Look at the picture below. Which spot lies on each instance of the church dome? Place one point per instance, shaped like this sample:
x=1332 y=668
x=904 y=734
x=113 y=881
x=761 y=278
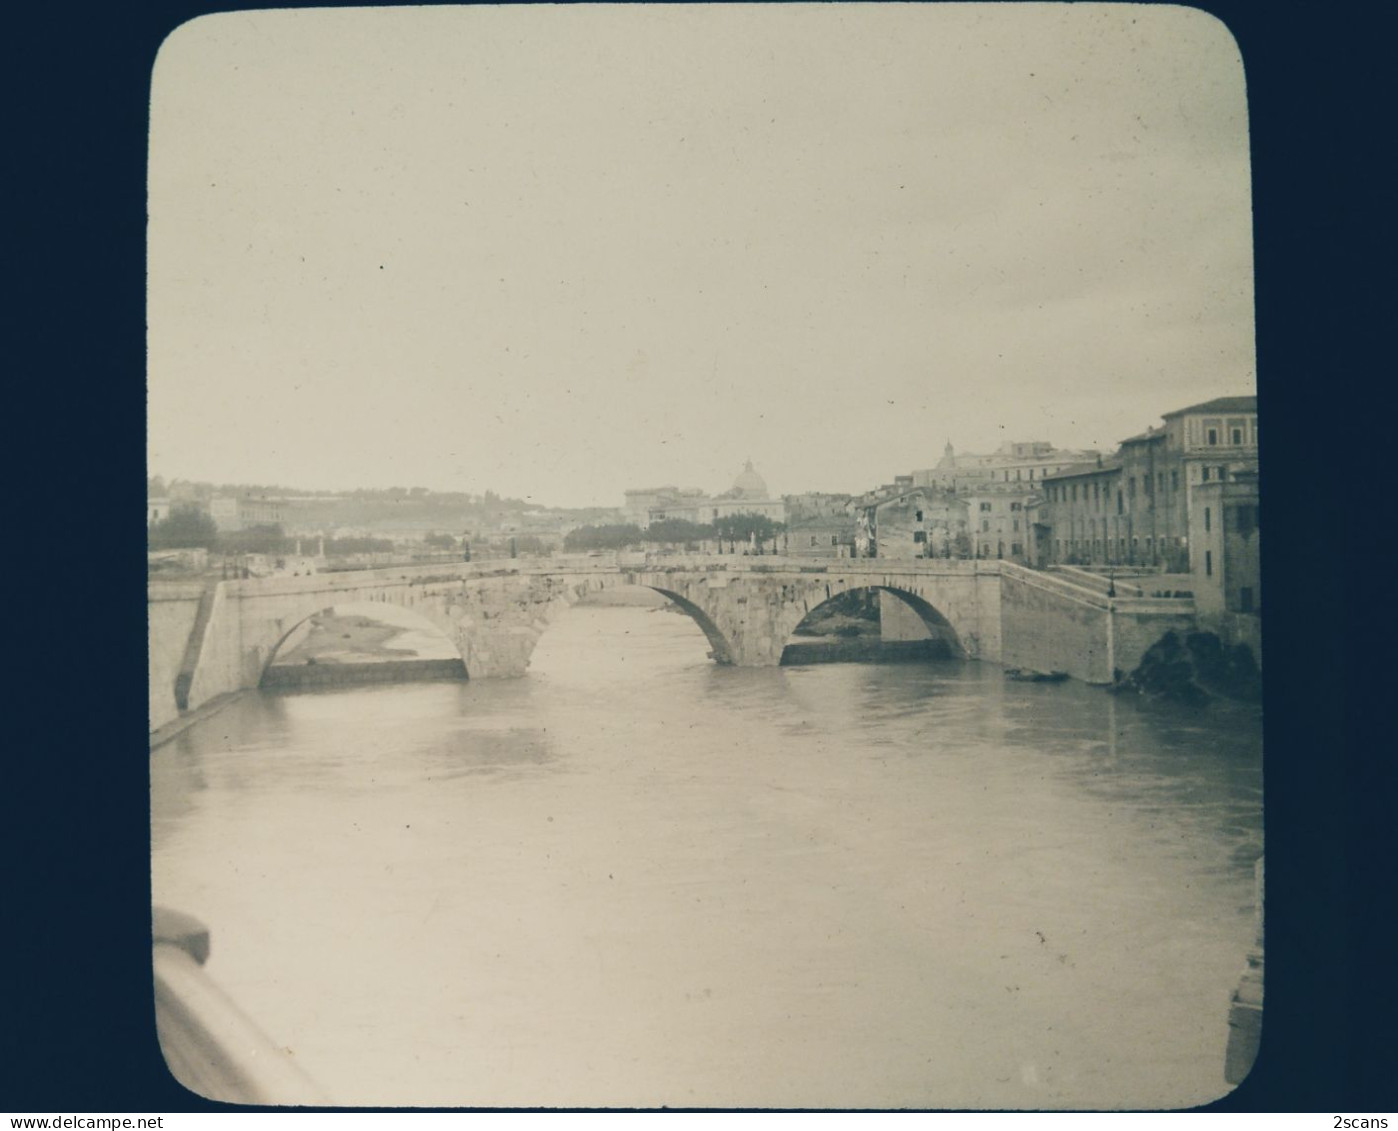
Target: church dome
x=750 y=485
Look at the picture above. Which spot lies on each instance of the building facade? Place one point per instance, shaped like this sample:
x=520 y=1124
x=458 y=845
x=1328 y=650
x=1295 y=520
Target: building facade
x=1226 y=545
x=242 y=512
x=818 y=525
x=897 y=522
x=1139 y=508
x=998 y=516
x=1019 y=461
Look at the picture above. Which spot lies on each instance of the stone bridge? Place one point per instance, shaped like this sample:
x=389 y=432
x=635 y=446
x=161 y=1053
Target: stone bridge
x=221 y=640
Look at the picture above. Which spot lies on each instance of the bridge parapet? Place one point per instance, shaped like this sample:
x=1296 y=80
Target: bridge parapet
x=748 y=606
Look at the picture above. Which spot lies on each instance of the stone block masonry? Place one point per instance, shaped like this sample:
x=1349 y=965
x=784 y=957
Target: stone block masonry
x=747 y=608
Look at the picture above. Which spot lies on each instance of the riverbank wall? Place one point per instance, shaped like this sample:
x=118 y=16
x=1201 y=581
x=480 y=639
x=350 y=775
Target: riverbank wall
x=864 y=650
x=171 y=610
x=300 y=677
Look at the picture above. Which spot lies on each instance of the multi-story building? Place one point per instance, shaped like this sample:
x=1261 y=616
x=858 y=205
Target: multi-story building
x=818 y=525
x=1017 y=461
x=1225 y=544
x=241 y=512
x=921 y=522
x=1081 y=518
x=998 y=513
x=1136 y=508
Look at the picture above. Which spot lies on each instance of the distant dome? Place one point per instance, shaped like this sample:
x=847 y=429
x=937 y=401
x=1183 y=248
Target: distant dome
x=750 y=485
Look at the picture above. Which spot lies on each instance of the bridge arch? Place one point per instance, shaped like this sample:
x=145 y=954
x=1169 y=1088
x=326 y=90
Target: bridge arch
x=938 y=626
x=932 y=617
x=720 y=649
x=288 y=629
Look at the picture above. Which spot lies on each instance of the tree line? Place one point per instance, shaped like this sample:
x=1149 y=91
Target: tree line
x=736 y=529
x=190 y=528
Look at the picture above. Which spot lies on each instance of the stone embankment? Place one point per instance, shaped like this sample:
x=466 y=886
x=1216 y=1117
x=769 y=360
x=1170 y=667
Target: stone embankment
x=297 y=677
x=863 y=650
x=1194 y=668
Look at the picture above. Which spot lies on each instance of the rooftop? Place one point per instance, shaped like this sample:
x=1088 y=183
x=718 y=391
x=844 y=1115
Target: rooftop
x=1112 y=464
x=1219 y=404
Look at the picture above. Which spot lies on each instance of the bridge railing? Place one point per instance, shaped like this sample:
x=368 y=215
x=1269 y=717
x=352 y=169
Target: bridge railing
x=1086 y=590
x=1095 y=596
x=209 y=1043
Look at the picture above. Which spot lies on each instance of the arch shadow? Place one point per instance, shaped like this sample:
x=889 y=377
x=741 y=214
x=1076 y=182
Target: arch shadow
x=941 y=642
x=720 y=650
x=450 y=665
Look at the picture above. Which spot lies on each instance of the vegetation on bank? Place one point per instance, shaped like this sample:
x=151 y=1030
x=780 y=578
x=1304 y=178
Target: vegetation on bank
x=189 y=528
x=1194 y=668
x=737 y=530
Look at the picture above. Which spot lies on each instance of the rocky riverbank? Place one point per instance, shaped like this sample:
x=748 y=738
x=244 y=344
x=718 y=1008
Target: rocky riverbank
x=1194 y=668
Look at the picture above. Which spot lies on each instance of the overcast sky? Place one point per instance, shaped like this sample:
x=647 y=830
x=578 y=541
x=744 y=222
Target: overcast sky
x=561 y=251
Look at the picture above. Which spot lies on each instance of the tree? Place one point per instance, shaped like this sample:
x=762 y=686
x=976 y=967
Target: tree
x=676 y=530
x=741 y=527
x=440 y=541
x=342 y=547
x=185 y=527
x=614 y=537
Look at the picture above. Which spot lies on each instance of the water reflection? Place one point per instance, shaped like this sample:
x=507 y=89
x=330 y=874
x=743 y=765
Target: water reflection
x=637 y=878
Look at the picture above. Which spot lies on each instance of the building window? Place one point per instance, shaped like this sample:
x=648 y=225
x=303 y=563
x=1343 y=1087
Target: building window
x=834 y=540
x=985 y=507
x=919 y=516
x=985 y=526
x=1075 y=492
x=1205 y=474
x=1016 y=526
x=1208 y=520
x=1016 y=548
x=1015 y=507
x=1237 y=437
x=813 y=539
x=1245 y=520
x=919 y=536
x=1208 y=563
x=1174 y=481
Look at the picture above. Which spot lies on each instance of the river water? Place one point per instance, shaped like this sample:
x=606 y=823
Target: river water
x=635 y=878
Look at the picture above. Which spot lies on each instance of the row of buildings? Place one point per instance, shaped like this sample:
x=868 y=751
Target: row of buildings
x=1181 y=498
x=1178 y=499
x=748 y=495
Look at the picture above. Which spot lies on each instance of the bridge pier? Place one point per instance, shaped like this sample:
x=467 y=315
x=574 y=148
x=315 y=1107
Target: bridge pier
x=747 y=608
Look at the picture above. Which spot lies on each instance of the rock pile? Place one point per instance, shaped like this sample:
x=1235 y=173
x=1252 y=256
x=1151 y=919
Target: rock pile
x=1194 y=668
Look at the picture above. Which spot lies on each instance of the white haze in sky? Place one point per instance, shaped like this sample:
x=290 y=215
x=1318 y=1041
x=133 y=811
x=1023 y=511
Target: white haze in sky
x=559 y=251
